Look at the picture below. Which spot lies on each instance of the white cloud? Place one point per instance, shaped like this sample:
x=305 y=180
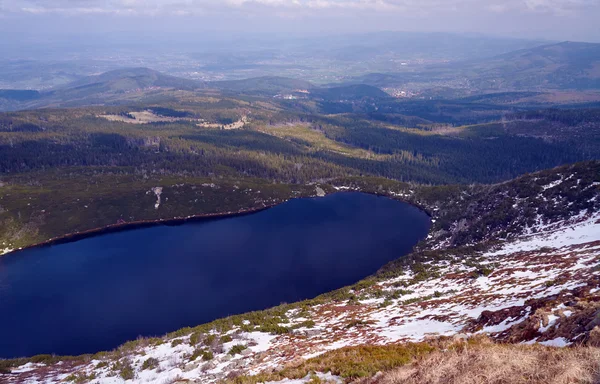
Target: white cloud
x=578 y=19
x=186 y=7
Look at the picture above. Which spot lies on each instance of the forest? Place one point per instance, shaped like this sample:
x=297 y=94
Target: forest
x=97 y=165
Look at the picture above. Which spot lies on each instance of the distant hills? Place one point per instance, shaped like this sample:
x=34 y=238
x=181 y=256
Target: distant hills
x=133 y=85
x=18 y=95
x=264 y=84
x=122 y=80
x=560 y=66
x=350 y=92
x=413 y=46
x=564 y=65
x=546 y=68
x=113 y=87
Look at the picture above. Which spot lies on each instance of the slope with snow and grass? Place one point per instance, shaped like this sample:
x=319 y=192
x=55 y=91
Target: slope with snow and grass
x=517 y=262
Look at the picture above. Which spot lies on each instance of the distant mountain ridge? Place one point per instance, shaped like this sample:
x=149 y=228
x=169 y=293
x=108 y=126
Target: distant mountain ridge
x=127 y=79
x=268 y=84
x=559 y=66
x=350 y=92
x=565 y=65
x=113 y=87
x=128 y=85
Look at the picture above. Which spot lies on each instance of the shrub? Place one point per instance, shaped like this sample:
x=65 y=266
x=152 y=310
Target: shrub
x=226 y=339
x=274 y=329
x=236 y=349
x=305 y=324
x=416 y=300
x=207 y=355
x=356 y=323
x=195 y=338
x=386 y=302
x=81 y=377
x=209 y=340
x=124 y=369
x=150 y=363
x=127 y=373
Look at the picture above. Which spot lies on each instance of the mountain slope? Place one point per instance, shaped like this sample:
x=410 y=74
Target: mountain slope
x=350 y=92
x=517 y=281
x=109 y=85
x=564 y=65
x=114 y=87
x=265 y=84
x=552 y=67
x=128 y=79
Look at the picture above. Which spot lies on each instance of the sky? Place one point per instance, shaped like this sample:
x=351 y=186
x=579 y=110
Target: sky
x=575 y=20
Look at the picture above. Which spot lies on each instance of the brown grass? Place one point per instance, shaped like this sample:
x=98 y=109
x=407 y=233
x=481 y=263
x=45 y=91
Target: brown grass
x=499 y=364
x=350 y=363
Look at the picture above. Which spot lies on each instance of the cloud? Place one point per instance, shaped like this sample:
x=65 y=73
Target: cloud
x=548 y=19
x=187 y=7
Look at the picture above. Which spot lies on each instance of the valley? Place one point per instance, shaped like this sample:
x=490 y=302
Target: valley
x=384 y=208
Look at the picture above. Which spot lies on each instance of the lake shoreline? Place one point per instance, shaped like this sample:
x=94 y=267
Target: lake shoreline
x=138 y=224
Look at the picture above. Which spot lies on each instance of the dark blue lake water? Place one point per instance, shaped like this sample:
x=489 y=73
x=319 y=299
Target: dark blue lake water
x=96 y=293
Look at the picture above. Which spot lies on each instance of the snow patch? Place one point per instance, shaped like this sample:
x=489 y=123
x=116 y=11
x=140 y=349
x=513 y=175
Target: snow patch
x=157 y=191
x=585 y=231
x=558 y=342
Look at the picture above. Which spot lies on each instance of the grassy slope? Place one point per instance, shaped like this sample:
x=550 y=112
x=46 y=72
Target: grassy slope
x=482 y=362
x=41 y=206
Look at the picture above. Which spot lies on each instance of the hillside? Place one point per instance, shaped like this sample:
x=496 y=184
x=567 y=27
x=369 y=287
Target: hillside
x=263 y=85
x=122 y=80
x=47 y=156
x=133 y=85
x=350 y=92
x=566 y=65
x=113 y=87
x=516 y=262
x=107 y=86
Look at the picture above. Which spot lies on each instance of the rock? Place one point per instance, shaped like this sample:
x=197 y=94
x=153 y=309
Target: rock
x=312 y=332
x=320 y=192
x=190 y=366
x=236 y=364
x=246 y=352
x=594 y=338
x=594 y=323
x=226 y=358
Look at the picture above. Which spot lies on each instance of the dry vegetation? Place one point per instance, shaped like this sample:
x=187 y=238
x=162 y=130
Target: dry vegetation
x=143 y=117
x=489 y=363
x=317 y=141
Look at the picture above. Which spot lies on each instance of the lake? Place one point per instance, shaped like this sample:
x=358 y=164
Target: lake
x=98 y=292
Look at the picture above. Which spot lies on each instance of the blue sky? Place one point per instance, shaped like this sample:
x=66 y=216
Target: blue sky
x=549 y=19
